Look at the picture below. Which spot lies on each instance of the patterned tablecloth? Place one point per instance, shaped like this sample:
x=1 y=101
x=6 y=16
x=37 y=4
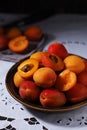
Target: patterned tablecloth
x=70 y=30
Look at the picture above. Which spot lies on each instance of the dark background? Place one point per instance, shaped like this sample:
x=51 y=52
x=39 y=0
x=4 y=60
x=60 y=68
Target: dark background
x=43 y=8
x=56 y=6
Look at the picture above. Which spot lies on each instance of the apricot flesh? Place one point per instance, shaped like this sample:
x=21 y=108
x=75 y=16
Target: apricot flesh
x=27 y=68
x=45 y=77
x=66 y=80
x=52 y=61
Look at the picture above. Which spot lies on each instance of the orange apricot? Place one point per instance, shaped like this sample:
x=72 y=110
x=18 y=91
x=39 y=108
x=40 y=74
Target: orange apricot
x=33 y=32
x=52 y=61
x=66 y=80
x=13 y=32
x=45 y=77
x=82 y=77
x=37 y=55
x=17 y=79
x=19 y=44
x=74 y=63
x=27 y=68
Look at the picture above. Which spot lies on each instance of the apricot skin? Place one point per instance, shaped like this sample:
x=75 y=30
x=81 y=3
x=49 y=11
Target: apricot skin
x=77 y=94
x=74 y=63
x=66 y=80
x=17 y=79
x=28 y=90
x=33 y=32
x=58 y=49
x=82 y=78
x=45 y=77
x=52 y=98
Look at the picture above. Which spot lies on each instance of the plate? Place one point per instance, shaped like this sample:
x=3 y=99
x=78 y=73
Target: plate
x=14 y=93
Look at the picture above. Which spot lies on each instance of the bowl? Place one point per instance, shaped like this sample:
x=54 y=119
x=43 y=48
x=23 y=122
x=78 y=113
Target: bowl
x=36 y=106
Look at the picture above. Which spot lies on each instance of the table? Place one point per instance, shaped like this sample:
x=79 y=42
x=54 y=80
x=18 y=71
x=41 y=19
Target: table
x=70 y=30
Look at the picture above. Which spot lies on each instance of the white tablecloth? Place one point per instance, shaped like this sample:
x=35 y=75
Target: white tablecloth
x=70 y=30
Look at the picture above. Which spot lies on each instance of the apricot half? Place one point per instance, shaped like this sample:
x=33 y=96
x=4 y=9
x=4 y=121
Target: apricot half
x=74 y=63
x=19 y=44
x=52 y=61
x=66 y=80
x=27 y=68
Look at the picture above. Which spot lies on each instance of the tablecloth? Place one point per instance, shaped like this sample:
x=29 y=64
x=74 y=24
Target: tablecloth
x=70 y=30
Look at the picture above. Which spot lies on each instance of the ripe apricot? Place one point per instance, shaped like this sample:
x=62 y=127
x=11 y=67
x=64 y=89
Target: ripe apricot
x=66 y=80
x=33 y=32
x=74 y=63
x=82 y=77
x=13 y=32
x=50 y=98
x=27 y=68
x=18 y=44
x=17 y=79
x=29 y=91
x=77 y=93
x=58 y=49
x=52 y=61
x=45 y=77
x=37 y=55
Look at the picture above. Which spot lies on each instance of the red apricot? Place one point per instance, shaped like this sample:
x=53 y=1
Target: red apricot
x=28 y=90
x=52 y=98
x=52 y=61
x=77 y=93
x=58 y=49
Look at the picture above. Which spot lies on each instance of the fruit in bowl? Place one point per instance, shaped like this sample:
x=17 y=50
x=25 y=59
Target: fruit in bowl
x=57 y=80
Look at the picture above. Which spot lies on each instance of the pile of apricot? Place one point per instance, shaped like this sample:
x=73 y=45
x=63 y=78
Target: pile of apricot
x=18 y=41
x=52 y=78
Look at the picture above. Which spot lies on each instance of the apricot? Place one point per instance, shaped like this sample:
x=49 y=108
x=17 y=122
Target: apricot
x=52 y=61
x=50 y=98
x=74 y=63
x=27 y=68
x=66 y=80
x=28 y=90
x=13 y=32
x=58 y=49
x=33 y=32
x=77 y=93
x=45 y=77
x=37 y=55
x=82 y=77
x=19 y=44
x=17 y=79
